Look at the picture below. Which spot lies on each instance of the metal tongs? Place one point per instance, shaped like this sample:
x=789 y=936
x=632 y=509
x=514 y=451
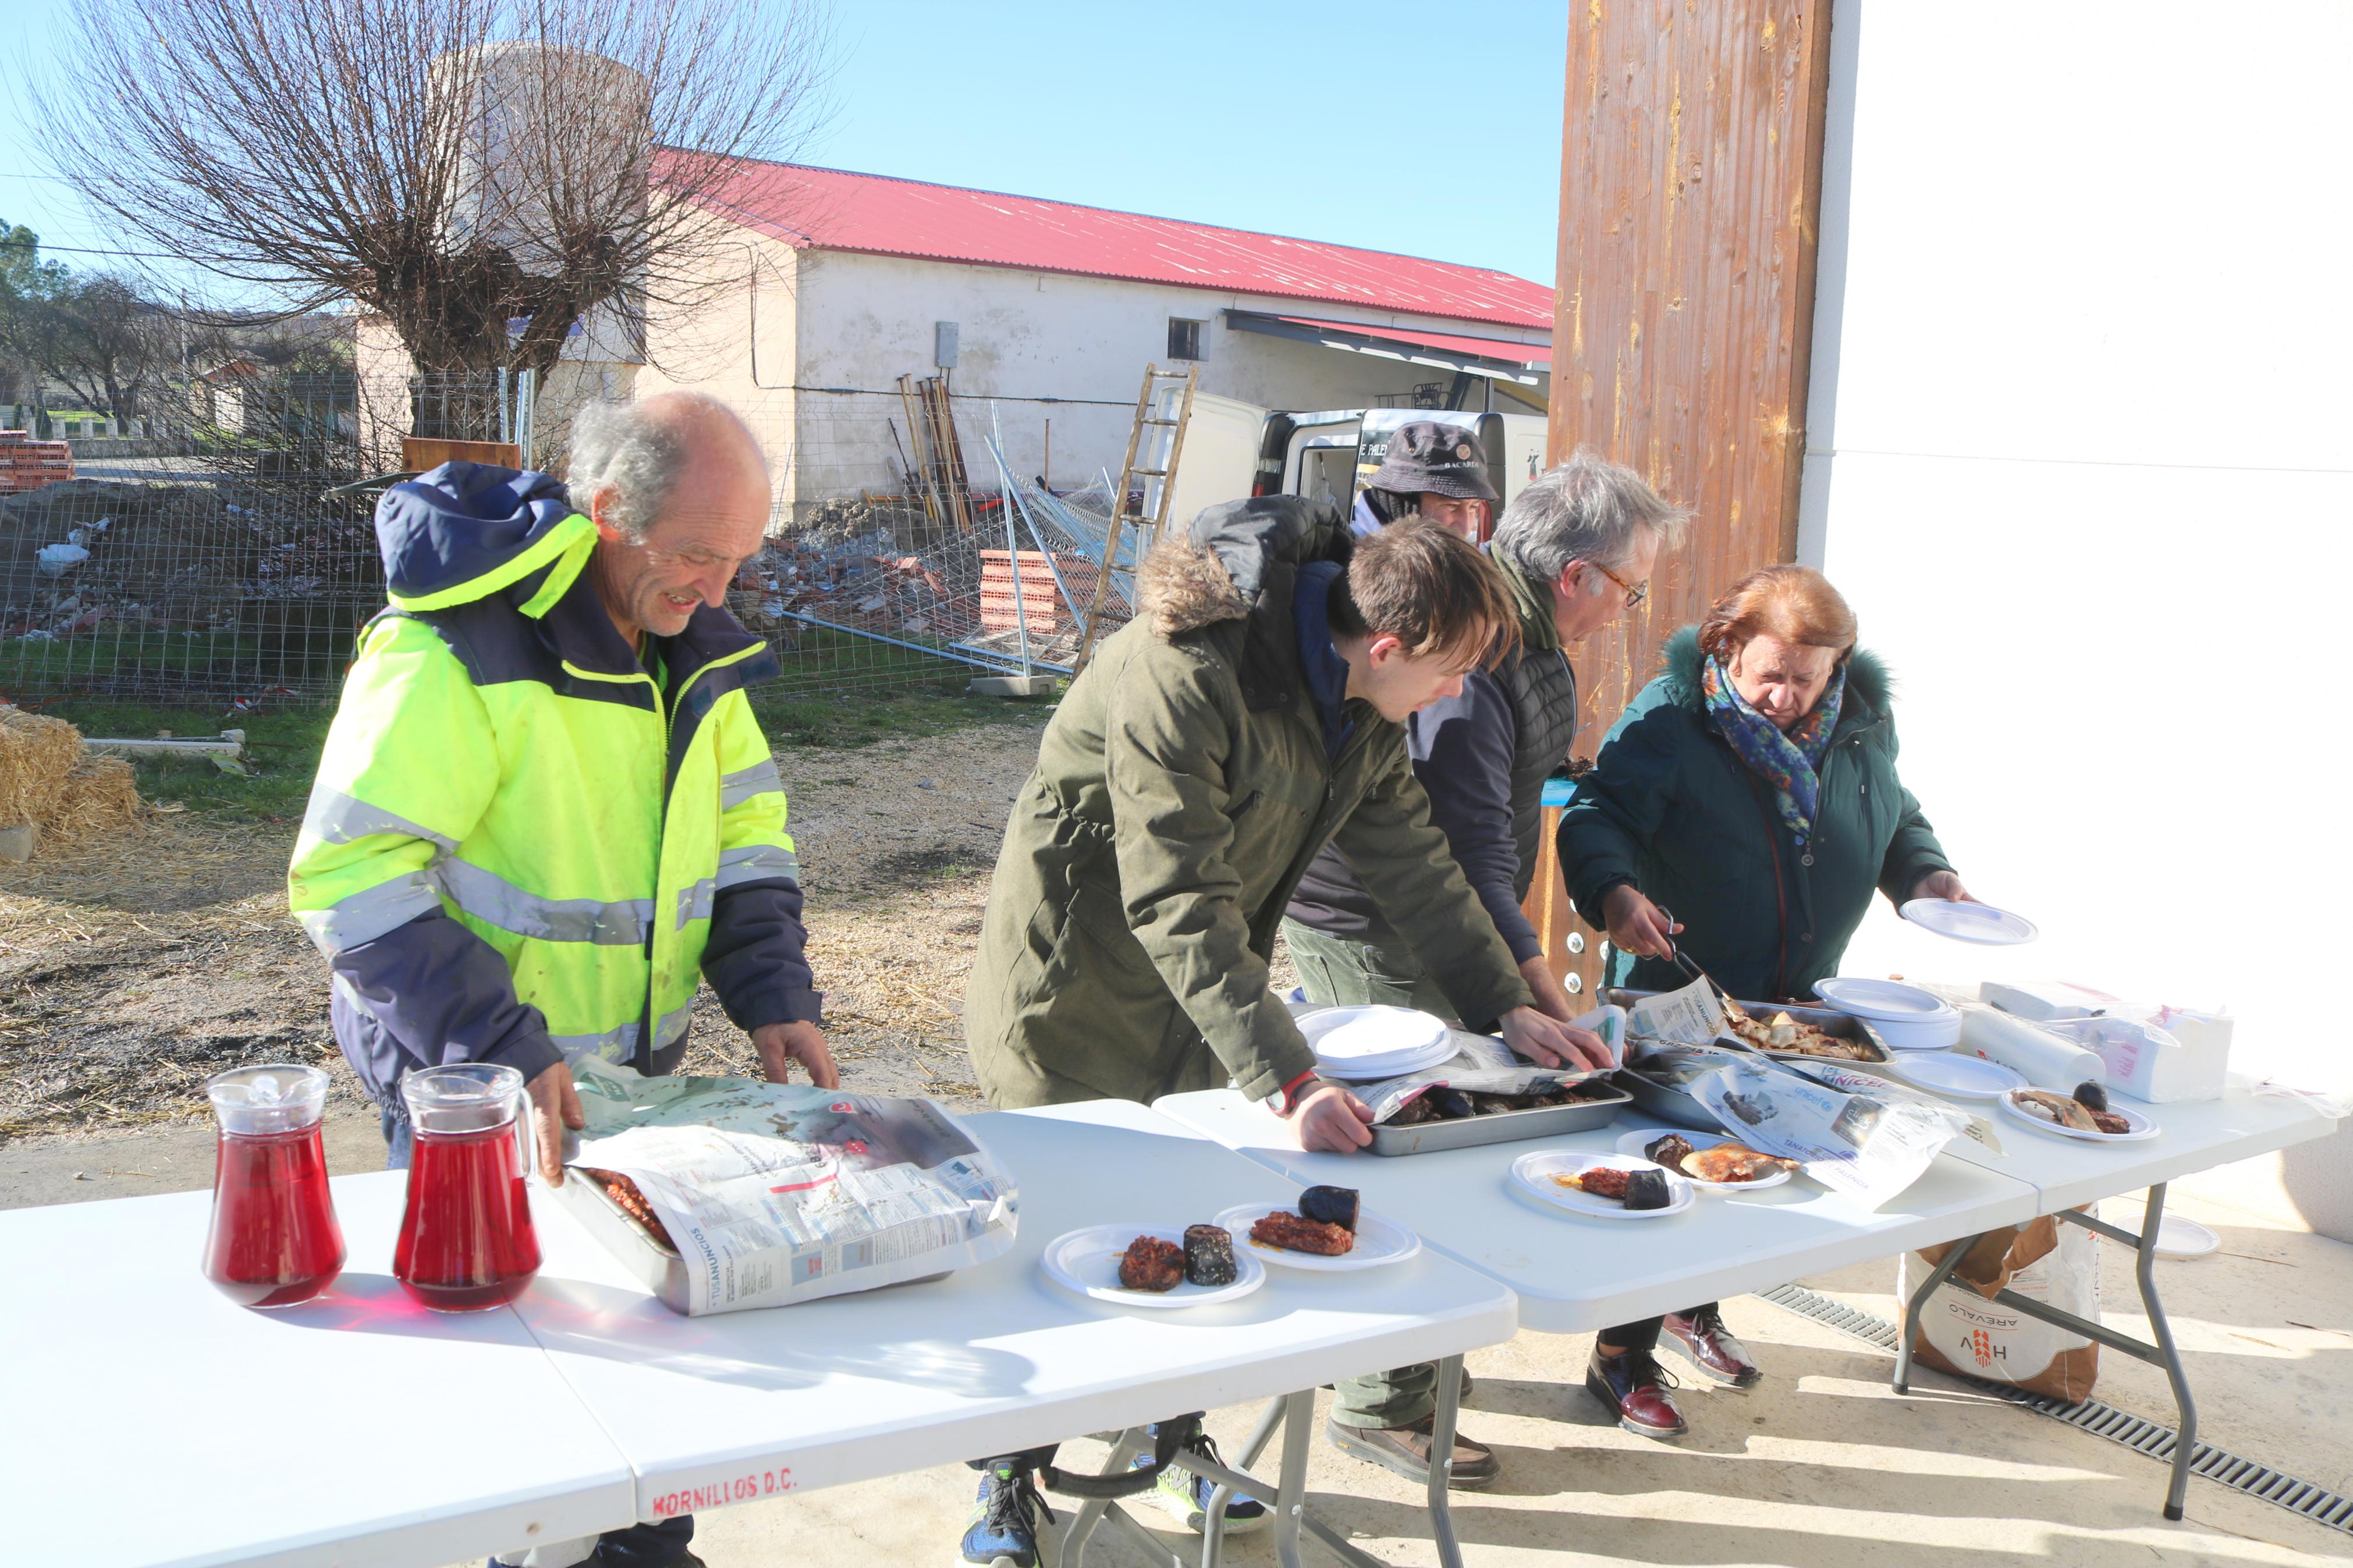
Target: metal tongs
x=1684 y=961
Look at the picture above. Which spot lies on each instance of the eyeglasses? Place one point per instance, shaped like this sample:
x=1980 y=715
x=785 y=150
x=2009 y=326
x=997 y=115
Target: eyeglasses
x=1635 y=591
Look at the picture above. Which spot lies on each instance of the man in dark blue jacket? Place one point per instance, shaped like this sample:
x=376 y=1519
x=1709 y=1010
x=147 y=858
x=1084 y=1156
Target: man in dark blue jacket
x=1575 y=549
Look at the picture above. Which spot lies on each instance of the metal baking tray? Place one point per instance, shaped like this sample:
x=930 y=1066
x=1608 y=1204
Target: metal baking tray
x=651 y=1264
x=1668 y=1103
x=1502 y=1126
x=1844 y=1025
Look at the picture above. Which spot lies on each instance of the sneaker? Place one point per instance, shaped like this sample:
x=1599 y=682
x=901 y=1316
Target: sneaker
x=1406 y=1450
x=1186 y=1496
x=1634 y=1386
x=1707 y=1344
x=1007 y=1518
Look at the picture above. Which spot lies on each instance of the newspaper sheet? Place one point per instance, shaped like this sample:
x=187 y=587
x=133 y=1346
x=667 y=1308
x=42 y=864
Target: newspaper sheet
x=774 y=1193
x=1869 y=1145
x=1483 y=1064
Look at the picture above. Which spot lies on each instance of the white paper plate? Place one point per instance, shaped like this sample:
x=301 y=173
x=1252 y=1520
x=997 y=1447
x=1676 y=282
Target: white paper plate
x=1343 y=1034
x=2179 y=1238
x=1979 y=924
x=1963 y=1077
x=1364 y=1071
x=1882 y=999
x=2142 y=1127
x=1379 y=1240
x=1534 y=1174
x=1087 y=1261
x=1635 y=1142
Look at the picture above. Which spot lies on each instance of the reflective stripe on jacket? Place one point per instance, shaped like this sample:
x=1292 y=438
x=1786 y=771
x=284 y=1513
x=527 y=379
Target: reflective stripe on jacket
x=520 y=845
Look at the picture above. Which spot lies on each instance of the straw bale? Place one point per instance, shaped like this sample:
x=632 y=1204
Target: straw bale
x=46 y=779
x=37 y=756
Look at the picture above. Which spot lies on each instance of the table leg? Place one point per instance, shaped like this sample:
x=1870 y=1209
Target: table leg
x=2185 y=1445
x=1213 y=1533
x=1298 y=1427
x=1912 y=1309
x=1091 y=1513
x=1441 y=1461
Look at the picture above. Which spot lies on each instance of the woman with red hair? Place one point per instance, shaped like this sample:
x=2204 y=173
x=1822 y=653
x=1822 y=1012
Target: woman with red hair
x=1751 y=790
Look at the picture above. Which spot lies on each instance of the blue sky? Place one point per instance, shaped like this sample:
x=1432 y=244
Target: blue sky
x=1427 y=130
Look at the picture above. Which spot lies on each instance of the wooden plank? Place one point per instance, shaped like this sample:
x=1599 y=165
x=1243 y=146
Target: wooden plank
x=1690 y=190
x=418 y=453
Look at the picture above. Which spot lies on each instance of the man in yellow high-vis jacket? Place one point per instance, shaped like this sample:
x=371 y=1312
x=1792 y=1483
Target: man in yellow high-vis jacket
x=545 y=810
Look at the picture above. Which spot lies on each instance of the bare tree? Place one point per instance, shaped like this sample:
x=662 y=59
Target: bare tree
x=483 y=174
x=97 y=336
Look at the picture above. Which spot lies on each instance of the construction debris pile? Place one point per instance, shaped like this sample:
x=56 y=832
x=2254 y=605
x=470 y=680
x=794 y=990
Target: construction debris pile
x=51 y=793
x=257 y=574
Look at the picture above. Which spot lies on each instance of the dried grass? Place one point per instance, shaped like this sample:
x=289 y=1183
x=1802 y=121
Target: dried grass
x=46 y=779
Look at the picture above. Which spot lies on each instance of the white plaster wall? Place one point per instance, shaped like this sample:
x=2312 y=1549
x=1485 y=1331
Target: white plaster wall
x=2080 y=449
x=866 y=320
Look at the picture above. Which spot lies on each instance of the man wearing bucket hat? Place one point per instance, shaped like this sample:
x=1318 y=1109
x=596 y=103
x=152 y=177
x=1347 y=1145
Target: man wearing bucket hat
x=1430 y=471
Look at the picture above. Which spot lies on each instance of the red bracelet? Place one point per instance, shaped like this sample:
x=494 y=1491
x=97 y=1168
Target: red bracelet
x=1289 y=1093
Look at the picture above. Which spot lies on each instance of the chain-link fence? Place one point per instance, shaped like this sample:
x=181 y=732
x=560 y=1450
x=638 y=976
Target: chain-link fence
x=220 y=549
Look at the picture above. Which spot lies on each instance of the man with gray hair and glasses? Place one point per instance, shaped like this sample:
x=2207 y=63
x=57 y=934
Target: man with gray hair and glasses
x=1575 y=548
x=545 y=812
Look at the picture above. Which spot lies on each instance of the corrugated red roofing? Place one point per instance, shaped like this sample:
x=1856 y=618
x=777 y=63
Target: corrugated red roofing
x=1485 y=348
x=838 y=210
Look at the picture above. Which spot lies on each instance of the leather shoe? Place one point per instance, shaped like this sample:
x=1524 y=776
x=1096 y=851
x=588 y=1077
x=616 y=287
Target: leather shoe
x=1635 y=1386
x=1406 y=1450
x=1710 y=1346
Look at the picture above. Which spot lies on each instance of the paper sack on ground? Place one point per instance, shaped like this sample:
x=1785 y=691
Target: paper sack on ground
x=776 y=1194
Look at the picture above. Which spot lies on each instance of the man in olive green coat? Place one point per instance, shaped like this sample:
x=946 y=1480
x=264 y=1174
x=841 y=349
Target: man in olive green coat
x=1211 y=748
x=1252 y=714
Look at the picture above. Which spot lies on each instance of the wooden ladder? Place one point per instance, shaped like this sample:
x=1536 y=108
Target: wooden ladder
x=1157 y=386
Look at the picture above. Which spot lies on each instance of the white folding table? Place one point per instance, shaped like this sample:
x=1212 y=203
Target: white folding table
x=152 y=1421
x=996 y=1359
x=2068 y=1173
x=1573 y=1273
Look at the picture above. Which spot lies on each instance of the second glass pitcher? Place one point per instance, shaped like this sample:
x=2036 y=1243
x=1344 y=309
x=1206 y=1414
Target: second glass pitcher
x=466 y=1239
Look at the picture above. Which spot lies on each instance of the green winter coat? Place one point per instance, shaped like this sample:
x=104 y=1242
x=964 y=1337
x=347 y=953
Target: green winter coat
x=1670 y=809
x=1182 y=787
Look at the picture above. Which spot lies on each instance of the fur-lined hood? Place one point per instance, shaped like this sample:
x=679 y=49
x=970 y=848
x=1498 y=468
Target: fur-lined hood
x=1239 y=562
x=1227 y=563
x=1866 y=677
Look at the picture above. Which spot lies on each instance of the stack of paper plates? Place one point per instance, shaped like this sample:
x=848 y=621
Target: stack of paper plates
x=1362 y=1044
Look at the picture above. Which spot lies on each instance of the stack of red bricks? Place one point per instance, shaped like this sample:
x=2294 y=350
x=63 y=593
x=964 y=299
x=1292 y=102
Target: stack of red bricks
x=1041 y=600
x=27 y=465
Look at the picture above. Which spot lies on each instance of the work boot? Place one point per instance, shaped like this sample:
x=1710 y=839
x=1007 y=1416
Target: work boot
x=1634 y=1387
x=1406 y=1450
x=1007 y=1517
x=1702 y=1339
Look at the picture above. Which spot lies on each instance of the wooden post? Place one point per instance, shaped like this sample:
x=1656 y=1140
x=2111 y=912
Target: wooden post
x=1690 y=195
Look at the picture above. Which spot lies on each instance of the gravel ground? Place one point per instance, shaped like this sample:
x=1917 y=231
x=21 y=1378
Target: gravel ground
x=132 y=970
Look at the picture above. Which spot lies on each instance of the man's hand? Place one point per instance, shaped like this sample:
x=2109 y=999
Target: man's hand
x=1636 y=925
x=1330 y=1120
x=782 y=1045
x=1551 y=1000
x=554 y=1106
x=1942 y=885
x=1549 y=1043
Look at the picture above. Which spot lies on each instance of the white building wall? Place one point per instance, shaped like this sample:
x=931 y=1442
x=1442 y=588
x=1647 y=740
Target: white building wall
x=864 y=321
x=2080 y=449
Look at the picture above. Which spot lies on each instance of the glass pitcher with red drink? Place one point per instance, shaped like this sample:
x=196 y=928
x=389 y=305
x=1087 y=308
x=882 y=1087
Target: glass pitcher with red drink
x=466 y=1239
x=274 y=1239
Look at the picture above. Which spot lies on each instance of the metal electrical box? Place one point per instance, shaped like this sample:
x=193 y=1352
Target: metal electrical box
x=943 y=345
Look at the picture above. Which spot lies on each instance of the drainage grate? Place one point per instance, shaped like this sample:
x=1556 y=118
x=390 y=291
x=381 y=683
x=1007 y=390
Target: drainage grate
x=2135 y=1431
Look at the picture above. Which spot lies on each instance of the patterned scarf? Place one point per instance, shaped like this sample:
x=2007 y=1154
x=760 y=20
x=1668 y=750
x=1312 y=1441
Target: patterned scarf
x=1787 y=759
